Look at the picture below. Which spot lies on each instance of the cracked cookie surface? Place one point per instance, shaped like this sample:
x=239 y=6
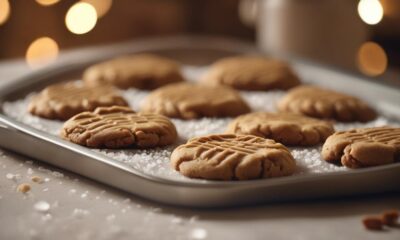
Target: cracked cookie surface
x=363 y=147
x=142 y=71
x=251 y=73
x=232 y=157
x=119 y=127
x=286 y=128
x=63 y=100
x=191 y=101
x=327 y=104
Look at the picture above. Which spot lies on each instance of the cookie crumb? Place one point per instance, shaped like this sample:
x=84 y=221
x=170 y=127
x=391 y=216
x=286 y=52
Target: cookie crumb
x=372 y=223
x=390 y=217
x=24 y=188
x=37 y=179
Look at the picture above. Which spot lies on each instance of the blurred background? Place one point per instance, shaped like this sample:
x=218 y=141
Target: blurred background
x=357 y=35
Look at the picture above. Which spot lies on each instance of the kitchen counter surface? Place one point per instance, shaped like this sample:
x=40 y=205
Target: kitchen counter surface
x=68 y=206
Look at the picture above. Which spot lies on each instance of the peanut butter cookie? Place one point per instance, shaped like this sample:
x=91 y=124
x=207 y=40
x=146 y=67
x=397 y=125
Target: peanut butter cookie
x=251 y=73
x=142 y=71
x=62 y=101
x=190 y=101
x=322 y=103
x=232 y=157
x=286 y=128
x=119 y=127
x=363 y=147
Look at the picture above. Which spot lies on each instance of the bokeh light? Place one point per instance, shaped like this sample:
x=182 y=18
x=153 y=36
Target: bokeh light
x=370 y=11
x=101 y=6
x=81 y=18
x=41 y=52
x=372 y=59
x=47 y=2
x=4 y=11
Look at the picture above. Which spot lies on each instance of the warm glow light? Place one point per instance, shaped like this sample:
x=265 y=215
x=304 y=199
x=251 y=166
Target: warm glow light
x=41 y=52
x=4 y=11
x=370 y=11
x=101 y=6
x=47 y=2
x=372 y=59
x=81 y=18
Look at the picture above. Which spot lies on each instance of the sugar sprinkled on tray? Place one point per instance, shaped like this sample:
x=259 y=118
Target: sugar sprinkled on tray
x=156 y=161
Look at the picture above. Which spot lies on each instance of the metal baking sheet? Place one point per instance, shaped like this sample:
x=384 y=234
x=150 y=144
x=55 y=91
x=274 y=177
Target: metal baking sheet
x=174 y=189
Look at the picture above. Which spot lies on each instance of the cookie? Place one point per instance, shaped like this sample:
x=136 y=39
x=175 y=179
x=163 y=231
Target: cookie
x=251 y=73
x=119 y=127
x=322 y=103
x=286 y=128
x=62 y=101
x=190 y=101
x=363 y=147
x=142 y=71
x=232 y=157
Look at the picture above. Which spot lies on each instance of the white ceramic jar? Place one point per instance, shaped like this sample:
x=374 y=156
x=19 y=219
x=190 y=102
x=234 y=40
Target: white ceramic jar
x=324 y=30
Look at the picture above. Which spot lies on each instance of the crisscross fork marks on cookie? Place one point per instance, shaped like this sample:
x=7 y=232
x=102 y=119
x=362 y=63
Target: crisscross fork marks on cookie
x=384 y=135
x=363 y=147
x=117 y=127
x=112 y=121
x=228 y=156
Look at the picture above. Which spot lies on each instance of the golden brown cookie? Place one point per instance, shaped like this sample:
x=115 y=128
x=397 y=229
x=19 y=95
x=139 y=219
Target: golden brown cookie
x=286 y=128
x=251 y=73
x=119 y=127
x=232 y=157
x=62 y=101
x=190 y=101
x=322 y=103
x=363 y=147
x=142 y=71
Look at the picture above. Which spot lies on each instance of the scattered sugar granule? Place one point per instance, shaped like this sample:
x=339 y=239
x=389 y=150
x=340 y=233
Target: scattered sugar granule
x=42 y=206
x=72 y=191
x=29 y=171
x=198 y=233
x=37 y=179
x=85 y=194
x=57 y=174
x=80 y=213
x=10 y=176
x=13 y=177
x=24 y=188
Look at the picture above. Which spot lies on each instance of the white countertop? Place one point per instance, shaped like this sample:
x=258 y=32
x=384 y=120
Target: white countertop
x=83 y=209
